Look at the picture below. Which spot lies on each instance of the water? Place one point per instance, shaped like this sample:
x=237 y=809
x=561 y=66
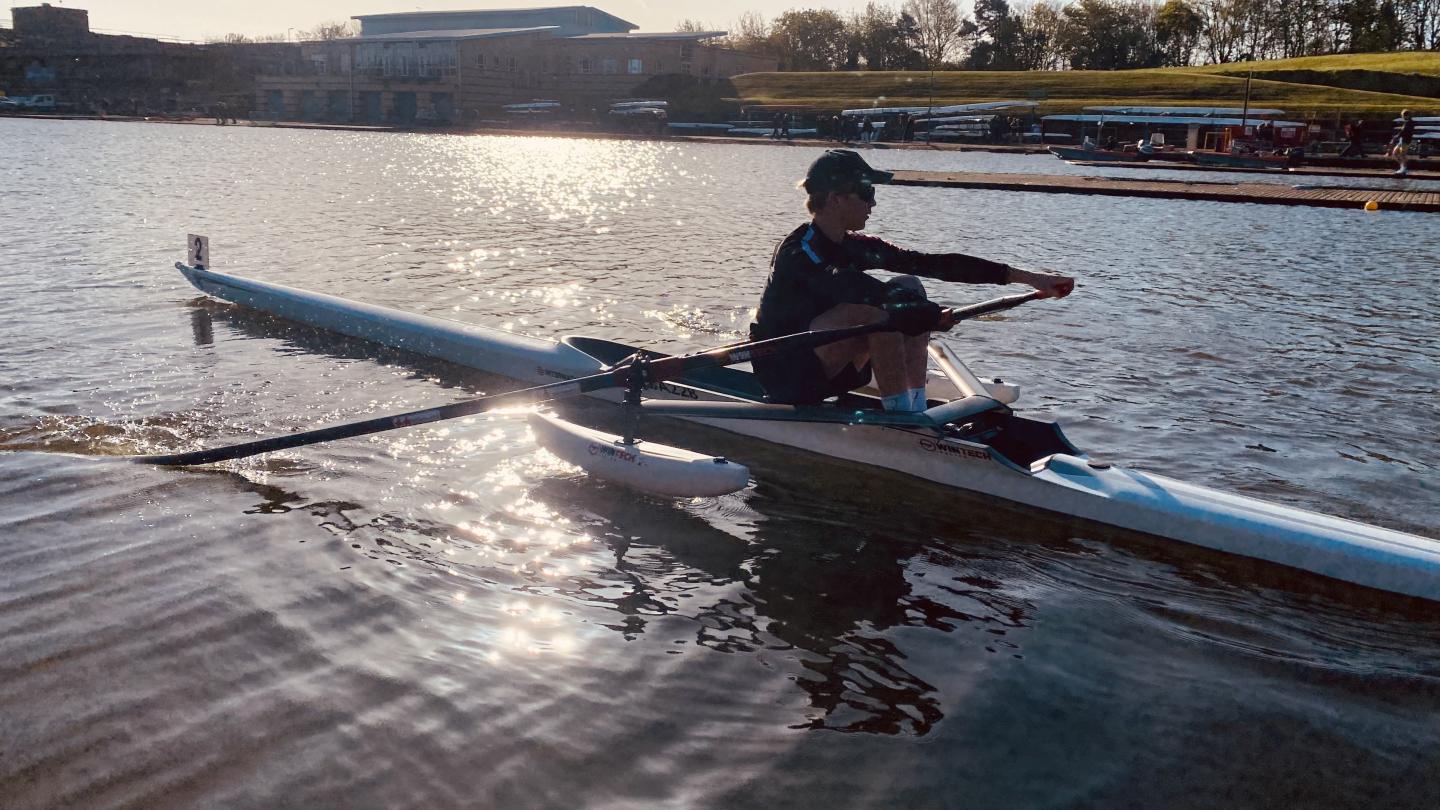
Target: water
x=447 y=617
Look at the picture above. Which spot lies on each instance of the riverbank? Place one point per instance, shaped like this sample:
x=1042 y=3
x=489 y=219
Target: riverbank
x=521 y=132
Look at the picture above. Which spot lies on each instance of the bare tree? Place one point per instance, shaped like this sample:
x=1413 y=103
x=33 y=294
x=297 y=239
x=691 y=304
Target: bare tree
x=937 y=28
x=335 y=29
x=750 y=33
x=689 y=26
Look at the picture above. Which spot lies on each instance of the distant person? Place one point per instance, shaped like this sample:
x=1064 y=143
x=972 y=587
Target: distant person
x=785 y=126
x=1355 y=134
x=867 y=130
x=775 y=125
x=1400 y=149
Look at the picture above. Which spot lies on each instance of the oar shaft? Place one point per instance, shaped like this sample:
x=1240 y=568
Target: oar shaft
x=666 y=368
x=526 y=396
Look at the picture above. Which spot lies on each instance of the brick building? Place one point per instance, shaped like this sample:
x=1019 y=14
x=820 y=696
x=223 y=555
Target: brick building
x=51 y=49
x=465 y=65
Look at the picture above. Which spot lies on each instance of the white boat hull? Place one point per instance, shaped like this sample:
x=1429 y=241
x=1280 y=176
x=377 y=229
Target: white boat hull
x=1063 y=481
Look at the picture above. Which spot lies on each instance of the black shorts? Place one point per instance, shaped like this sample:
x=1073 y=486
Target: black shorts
x=798 y=378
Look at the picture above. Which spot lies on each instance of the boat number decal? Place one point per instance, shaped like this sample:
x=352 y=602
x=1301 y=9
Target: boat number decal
x=932 y=446
x=545 y=372
x=683 y=393
x=740 y=357
x=611 y=451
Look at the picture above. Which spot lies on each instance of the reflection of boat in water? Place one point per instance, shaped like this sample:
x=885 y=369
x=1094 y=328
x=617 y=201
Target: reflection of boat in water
x=1104 y=155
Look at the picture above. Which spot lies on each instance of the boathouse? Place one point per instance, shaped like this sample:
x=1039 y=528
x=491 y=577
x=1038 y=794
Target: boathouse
x=462 y=66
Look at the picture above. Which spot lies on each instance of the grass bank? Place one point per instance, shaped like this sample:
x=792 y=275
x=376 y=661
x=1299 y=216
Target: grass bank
x=1068 y=91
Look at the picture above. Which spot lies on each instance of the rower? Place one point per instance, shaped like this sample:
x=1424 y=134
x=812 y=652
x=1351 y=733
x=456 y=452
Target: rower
x=818 y=281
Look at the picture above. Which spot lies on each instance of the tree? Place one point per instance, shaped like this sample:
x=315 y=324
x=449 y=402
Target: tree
x=689 y=26
x=1101 y=35
x=877 y=36
x=1040 y=43
x=937 y=28
x=1222 y=29
x=336 y=29
x=810 y=39
x=1177 y=32
x=751 y=34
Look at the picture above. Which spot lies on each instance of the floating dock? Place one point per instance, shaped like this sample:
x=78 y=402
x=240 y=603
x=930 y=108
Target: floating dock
x=1389 y=199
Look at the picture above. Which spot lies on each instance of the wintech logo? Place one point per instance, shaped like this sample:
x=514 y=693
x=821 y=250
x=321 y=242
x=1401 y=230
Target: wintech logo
x=955 y=451
x=611 y=451
x=546 y=372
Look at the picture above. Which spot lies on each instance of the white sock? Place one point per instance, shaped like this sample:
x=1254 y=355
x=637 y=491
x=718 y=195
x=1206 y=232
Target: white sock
x=897 y=402
x=917 y=399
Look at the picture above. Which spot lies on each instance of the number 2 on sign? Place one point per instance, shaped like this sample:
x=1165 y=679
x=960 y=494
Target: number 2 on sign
x=199 y=250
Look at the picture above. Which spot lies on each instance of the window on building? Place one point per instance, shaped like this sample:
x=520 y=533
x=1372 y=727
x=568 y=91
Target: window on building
x=685 y=68
x=585 y=66
x=512 y=64
x=687 y=50
x=610 y=67
x=495 y=62
x=636 y=66
x=657 y=66
x=480 y=61
x=705 y=71
x=317 y=64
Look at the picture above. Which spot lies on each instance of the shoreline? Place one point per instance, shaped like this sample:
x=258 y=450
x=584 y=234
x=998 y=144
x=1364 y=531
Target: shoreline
x=1019 y=149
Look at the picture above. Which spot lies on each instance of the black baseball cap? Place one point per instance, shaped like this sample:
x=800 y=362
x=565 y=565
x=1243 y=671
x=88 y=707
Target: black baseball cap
x=842 y=170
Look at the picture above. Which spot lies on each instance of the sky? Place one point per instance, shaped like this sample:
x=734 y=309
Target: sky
x=208 y=19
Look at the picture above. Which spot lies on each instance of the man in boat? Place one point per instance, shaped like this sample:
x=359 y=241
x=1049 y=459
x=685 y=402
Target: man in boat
x=818 y=281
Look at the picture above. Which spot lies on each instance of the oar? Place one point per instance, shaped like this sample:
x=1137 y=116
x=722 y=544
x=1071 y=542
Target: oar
x=655 y=370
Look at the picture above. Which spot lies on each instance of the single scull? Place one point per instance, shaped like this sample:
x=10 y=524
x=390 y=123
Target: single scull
x=968 y=439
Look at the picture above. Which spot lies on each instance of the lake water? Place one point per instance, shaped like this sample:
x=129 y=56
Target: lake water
x=448 y=617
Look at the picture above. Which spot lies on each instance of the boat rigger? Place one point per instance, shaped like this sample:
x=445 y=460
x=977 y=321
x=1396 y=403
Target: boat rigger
x=968 y=438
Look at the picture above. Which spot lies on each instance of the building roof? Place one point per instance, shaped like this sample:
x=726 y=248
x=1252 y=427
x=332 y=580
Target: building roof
x=1191 y=111
x=465 y=33
x=403 y=14
x=1204 y=120
x=658 y=35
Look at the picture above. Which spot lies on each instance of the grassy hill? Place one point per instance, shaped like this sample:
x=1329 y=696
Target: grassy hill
x=1068 y=91
x=1413 y=73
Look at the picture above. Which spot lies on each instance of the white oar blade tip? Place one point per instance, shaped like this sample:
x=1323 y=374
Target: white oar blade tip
x=658 y=469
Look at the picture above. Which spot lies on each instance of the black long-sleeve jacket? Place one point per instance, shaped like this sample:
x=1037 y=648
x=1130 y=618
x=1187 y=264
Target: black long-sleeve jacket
x=810 y=274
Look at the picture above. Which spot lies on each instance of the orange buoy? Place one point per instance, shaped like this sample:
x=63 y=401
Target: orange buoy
x=1372 y=206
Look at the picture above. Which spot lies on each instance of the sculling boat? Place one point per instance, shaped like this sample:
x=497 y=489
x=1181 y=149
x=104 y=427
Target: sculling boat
x=968 y=438
x=1080 y=153
x=1226 y=160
